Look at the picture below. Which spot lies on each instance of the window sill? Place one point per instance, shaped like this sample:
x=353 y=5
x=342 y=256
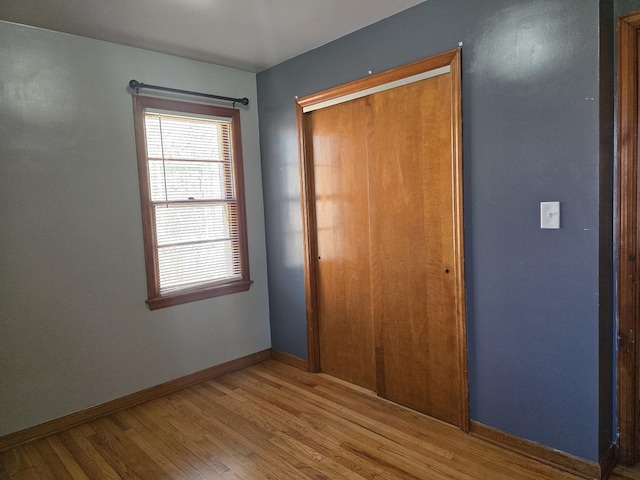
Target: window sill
x=199 y=294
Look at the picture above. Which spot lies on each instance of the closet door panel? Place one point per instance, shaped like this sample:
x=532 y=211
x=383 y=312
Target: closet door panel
x=412 y=247
x=339 y=136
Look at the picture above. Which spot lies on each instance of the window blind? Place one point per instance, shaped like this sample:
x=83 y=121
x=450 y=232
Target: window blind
x=194 y=207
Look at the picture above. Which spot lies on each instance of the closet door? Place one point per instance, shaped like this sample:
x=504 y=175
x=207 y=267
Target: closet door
x=411 y=211
x=342 y=211
x=383 y=220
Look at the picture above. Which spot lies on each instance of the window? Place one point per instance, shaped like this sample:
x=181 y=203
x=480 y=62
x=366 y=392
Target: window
x=192 y=196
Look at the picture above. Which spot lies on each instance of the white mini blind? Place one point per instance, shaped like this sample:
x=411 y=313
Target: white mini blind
x=194 y=205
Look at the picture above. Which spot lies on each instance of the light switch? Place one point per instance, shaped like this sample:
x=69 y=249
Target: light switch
x=549 y=214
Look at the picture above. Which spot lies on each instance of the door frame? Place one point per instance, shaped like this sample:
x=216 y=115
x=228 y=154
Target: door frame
x=449 y=59
x=627 y=241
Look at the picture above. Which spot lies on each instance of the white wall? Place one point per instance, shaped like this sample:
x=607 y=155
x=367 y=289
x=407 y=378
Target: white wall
x=74 y=327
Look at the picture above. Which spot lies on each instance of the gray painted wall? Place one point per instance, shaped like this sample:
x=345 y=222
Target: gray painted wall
x=531 y=114
x=74 y=327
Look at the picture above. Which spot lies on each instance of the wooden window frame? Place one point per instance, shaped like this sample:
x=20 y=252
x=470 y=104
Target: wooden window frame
x=155 y=299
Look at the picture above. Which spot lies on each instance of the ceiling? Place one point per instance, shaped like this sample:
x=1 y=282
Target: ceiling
x=246 y=34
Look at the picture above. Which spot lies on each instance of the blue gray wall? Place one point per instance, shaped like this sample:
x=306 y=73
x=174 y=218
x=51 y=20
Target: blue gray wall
x=607 y=374
x=622 y=7
x=74 y=327
x=532 y=102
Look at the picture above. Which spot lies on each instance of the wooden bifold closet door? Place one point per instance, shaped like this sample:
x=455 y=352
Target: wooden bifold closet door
x=388 y=244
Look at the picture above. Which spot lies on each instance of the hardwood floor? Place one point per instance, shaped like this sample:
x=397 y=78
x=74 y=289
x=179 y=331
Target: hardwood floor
x=271 y=421
x=626 y=473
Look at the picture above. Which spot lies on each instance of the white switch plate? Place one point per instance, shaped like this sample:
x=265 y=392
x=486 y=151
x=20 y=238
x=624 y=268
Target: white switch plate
x=549 y=214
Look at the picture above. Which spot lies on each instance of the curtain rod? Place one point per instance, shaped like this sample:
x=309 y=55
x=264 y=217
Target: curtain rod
x=136 y=86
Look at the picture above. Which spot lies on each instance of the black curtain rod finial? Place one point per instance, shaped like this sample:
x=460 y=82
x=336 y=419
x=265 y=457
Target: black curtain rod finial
x=136 y=86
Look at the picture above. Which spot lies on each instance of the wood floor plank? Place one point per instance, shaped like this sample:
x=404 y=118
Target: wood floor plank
x=626 y=473
x=47 y=456
x=210 y=438
x=206 y=432
x=295 y=426
x=122 y=453
x=86 y=455
x=179 y=434
x=162 y=453
x=379 y=474
x=368 y=428
x=441 y=433
x=272 y=422
x=70 y=463
x=329 y=466
x=243 y=431
x=344 y=416
x=322 y=427
x=303 y=457
x=406 y=433
x=18 y=465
